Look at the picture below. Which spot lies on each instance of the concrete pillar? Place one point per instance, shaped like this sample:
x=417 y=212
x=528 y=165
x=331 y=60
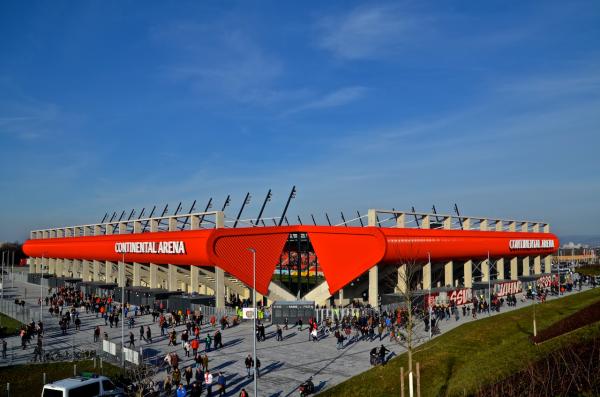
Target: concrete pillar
x=85 y=269
x=525 y=227
x=526 y=271
x=58 y=267
x=195 y=279
x=172 y=281
x=485 y=270
x=537 y=264
x=219 y=273
x=466 y=224
x=403 y=280
x=449 y=273
x=51 y=266
x=514 y=270
x=468 y=270
x=96 y=271
x=341 y=297
x=401 y=220
x=137 y=274
x=425 y=222
x=500 y=268
x=154 y=276
x=76 y=268
x=374 y=271
x=108 y=272
x=483 y=225
x=499 y=226
x=548 y=264
x=426 y=276
x=121 y=279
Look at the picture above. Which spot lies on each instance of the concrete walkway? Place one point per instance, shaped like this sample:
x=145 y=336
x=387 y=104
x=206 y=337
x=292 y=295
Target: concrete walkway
x=284 y=365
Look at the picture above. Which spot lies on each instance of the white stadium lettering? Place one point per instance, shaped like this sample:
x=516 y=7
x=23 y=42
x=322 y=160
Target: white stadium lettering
x=150 y=247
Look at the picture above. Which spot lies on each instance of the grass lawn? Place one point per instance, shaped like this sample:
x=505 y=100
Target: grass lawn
x=589 y=270
x=11 y=325
x=27 y=380
x=460 y=361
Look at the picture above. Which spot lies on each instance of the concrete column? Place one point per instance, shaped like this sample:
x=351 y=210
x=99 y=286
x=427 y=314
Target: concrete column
x=121 y=280
x=485 y=270
x=526 y=271
x=219 y=273
x=137 y=226
x=173 y=284
x=500 y=268
x=536 y=227
x=137 y=274
x=195 y=279
x=426 y=276
x=483 y=225
x=512 y=226
x=402 y=280
x=109 y=273
x=548 y=264
x=154 y=276
x=374 y=271
x=77 y=268
x=51 y=266
x=525 y=227
x=401 y=220
x=466 y=224
x=449 y=273
x=468 y=270
x=59 y=267
x=537 y=264
x=514 y=271
x=425 y=222
x=499 y=226
x=85 y=269
x=96 y=271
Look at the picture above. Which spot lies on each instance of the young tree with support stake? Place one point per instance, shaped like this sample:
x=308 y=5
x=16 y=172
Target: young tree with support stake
x=414 y=332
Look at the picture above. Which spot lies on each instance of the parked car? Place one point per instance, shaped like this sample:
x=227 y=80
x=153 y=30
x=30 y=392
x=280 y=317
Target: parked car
x=82 y=386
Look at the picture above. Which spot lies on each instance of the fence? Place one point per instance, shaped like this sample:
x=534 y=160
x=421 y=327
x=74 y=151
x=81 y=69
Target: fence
x=20 y=313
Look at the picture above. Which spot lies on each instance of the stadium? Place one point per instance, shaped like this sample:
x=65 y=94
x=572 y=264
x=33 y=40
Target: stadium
x=362 y=260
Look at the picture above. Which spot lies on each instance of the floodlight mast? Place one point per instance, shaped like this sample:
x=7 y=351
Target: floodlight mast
x=287 y=204
x=262 y=209
x=246 y=201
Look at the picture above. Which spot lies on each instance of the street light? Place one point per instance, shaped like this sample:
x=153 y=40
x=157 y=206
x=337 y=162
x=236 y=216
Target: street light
x=254 y=316
x=429 y=299
x=122 y=311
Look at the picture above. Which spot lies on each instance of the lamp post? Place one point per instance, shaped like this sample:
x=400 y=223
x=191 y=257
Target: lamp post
x=429 y=298
x=254 y=316
x=122 y=312
x=489 y=285
x=41 y=290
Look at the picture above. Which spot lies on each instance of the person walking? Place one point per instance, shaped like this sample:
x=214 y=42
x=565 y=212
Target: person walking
x=221 y=381
x=208 y=380
x=249 y=364
x=189 y=374
x=279 y=333
x=131 y=339
x=142 y=332
x=243 y=393
x=207 y=342
x=205 y=362
x=196 y=390
x=181 y=392
x=148 y=334
x=4 y=347
x=195 y=344
x=176 y=375
x=97 y=333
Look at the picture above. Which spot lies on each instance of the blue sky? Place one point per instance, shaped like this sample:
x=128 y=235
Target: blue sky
x=113 y=105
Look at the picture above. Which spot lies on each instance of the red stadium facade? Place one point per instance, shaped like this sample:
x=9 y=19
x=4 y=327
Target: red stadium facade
x=344 y=253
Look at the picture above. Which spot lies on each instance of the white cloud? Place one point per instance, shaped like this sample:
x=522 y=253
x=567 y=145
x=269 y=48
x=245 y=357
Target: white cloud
x=368 y=32
x=339 y=97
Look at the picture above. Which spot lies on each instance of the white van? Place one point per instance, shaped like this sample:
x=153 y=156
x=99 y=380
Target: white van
x=80 y=386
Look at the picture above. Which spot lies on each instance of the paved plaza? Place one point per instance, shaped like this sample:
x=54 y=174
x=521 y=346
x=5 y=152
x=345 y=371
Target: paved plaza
x=284 y=365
